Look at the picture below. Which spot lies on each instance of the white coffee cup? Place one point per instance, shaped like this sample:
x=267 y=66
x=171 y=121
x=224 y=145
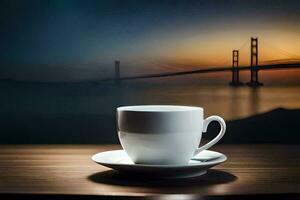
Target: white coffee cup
x=163 y=134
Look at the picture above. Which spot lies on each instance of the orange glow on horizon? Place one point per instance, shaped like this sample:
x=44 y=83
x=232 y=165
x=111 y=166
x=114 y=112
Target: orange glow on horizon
x=184 y=49
x=191 y=48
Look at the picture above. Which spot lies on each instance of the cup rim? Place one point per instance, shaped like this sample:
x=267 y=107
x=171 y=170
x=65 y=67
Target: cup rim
x=159 y=108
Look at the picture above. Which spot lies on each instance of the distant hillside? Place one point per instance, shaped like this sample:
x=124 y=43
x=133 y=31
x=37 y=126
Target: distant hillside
x=276 y=126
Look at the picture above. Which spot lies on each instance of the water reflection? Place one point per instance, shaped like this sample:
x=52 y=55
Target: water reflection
x=254 y=103
x=235 y=103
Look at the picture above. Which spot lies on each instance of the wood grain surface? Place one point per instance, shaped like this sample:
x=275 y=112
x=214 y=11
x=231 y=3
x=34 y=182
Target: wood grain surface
x=68 y=170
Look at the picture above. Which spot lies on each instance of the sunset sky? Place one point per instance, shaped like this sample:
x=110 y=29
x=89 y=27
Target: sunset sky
x=78 y=40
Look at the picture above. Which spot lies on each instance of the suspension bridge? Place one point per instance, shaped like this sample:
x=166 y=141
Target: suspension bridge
x=235 y=68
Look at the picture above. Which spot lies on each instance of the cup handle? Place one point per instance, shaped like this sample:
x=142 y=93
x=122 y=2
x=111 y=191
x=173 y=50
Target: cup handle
x=217 y=138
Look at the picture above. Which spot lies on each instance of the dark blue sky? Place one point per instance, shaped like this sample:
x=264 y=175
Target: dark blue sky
x=72 y=39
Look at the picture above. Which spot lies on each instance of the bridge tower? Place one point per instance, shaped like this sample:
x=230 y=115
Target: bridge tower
x=254 y=63
x=235 y=71
x=117 y=72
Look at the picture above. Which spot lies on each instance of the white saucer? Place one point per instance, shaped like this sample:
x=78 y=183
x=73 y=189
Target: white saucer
x=119 y=160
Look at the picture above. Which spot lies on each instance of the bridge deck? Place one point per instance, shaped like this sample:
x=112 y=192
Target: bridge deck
x=214 y=69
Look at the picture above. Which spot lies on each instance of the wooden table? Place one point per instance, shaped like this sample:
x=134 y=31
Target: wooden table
x=57 y=171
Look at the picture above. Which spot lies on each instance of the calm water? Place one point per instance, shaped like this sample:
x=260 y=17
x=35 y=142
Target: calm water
x=101 y=99
x=231 y=103
x=85 y=112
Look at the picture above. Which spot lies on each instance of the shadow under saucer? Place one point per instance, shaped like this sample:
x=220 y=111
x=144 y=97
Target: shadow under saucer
x=113 y=177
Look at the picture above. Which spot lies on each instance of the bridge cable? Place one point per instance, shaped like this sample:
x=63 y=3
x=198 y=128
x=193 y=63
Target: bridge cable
x=243 y=44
